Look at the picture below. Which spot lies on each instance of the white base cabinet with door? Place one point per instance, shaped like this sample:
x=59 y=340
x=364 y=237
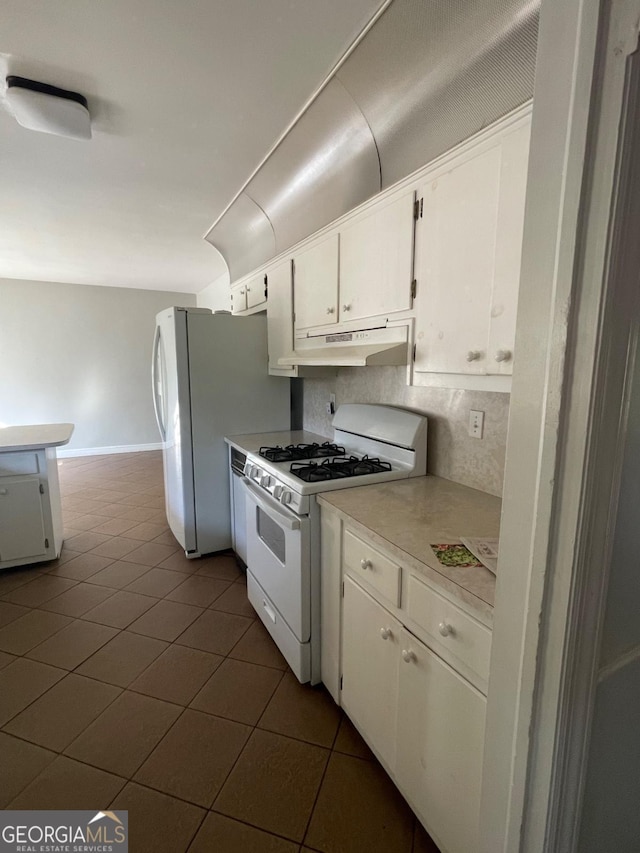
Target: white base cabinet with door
x=413 y=672
x=31 y=529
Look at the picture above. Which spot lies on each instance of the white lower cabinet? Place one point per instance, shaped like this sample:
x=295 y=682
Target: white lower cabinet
x=22 y=529
x=30 y=512
x=440 y=736
x=424 y=721
x=370 y=666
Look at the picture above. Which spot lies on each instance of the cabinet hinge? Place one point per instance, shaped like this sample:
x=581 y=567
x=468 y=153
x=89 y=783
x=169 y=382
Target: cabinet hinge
x=417 y=208
x=41 y=489
x=340 y=682
x=343 y=589
x=266 y=285
x=414 y=288
x=46 y=543
x=414 y=351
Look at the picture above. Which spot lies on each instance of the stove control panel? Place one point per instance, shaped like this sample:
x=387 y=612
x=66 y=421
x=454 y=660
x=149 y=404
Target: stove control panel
x=269 y=483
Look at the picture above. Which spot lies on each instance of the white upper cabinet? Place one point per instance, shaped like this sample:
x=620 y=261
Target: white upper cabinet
x=238 y=298
x=256 y=288
x=376 y=261
x=506 y=280
x=250 y=294
x=316 y=284
x=467 y=267
x=280 y=318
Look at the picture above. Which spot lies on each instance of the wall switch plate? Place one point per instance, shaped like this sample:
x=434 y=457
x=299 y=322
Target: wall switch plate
x=476 y=424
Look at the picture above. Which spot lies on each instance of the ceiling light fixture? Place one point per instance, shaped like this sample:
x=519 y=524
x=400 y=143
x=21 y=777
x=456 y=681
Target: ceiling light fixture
x=48 y=109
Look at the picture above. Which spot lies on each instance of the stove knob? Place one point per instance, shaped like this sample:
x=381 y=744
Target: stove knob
x=265 y=481
x=285 y=497
x=277 y=492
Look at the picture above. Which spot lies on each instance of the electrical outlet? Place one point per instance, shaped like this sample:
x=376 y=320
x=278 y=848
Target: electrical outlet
x=476 y=424
x=331 y=405
x=330 y=409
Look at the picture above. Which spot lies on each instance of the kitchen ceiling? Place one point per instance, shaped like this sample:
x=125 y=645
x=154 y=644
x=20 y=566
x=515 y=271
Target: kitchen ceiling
x=187 y=97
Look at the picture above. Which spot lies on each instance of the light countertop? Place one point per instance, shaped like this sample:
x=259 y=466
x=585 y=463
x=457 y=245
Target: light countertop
x=34 y=436
x=406 y=517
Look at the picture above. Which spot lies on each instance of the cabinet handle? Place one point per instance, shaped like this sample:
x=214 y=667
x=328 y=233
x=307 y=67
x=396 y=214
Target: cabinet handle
x=408 y=656
x=385 y=633
x=504 y=355
x=346 y=307
x=365 y=564
x=4 y=491
x=248 y=289
x=330 y=310
x=445 y=629
x=474 y=355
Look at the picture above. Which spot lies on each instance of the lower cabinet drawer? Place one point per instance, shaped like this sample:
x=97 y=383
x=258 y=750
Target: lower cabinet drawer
x=449 y=628
x=368 y=564
x=18 y=463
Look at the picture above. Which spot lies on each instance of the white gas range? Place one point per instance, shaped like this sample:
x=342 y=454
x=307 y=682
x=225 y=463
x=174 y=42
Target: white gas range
x=371 y=444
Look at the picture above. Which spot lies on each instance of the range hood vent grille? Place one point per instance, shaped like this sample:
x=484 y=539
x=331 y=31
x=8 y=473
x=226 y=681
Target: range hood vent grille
x=424 y=78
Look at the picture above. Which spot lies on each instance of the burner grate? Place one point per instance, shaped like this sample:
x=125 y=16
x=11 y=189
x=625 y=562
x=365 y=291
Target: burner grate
x=338 y=468
x=295 y=452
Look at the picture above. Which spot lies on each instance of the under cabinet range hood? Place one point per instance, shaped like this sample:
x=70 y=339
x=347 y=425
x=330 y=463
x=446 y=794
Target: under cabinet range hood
x=387 y=346
x=423 y=78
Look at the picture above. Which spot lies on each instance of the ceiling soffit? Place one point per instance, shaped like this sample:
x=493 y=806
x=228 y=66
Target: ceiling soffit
x=424 y=78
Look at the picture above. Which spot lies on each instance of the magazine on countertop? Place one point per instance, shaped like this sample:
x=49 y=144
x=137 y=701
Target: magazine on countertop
x=486 y=550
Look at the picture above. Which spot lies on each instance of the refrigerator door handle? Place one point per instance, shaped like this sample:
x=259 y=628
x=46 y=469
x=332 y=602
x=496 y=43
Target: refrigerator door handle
x=154 y=378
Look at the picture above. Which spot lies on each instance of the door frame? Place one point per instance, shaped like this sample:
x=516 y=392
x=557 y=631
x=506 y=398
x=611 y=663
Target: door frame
x=558 y=486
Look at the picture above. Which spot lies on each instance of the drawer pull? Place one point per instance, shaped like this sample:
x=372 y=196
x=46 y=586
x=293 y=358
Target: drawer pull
x=408 y=656
x=269 y=611
x=445 y=629
x=385 y=633
x=4 y=491
x=365 y=564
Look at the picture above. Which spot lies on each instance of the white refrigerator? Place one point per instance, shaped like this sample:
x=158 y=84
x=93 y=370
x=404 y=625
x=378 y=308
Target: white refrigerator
x=209 y=380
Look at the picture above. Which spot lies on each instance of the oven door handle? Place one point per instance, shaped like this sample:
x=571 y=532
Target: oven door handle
x=271 y=507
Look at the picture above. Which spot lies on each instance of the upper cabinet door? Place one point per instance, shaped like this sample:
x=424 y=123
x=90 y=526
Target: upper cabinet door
x=316 y=285
x=256 y=288
x=376 y=261
x=504 y=303
x=280 y=318
x=455 y=251
x=238 y=298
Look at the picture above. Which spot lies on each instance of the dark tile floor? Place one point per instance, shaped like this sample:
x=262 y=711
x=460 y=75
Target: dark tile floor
x=133 y=678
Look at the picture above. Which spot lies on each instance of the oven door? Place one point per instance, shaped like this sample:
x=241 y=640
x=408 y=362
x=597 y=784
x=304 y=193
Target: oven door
x=278 y=557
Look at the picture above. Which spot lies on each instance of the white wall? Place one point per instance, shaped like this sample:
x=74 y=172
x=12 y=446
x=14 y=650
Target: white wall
x=81 y=354
x=216 y=295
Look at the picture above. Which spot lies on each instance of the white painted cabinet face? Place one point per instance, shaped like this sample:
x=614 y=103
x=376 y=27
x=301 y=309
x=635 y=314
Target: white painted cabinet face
x=22 y=527
x=280 y=318
x=376 y=261
x=440 y=745
x=316 y=285
x=510 y=225
x=467 y=267
x=238 y=298
x=370 y=662
x=256 y=290
x=455 y=266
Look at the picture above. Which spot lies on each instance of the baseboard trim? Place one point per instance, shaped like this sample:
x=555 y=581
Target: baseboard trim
x=63 y=453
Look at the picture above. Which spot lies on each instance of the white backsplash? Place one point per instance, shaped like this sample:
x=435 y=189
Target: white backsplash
x=478 y=463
